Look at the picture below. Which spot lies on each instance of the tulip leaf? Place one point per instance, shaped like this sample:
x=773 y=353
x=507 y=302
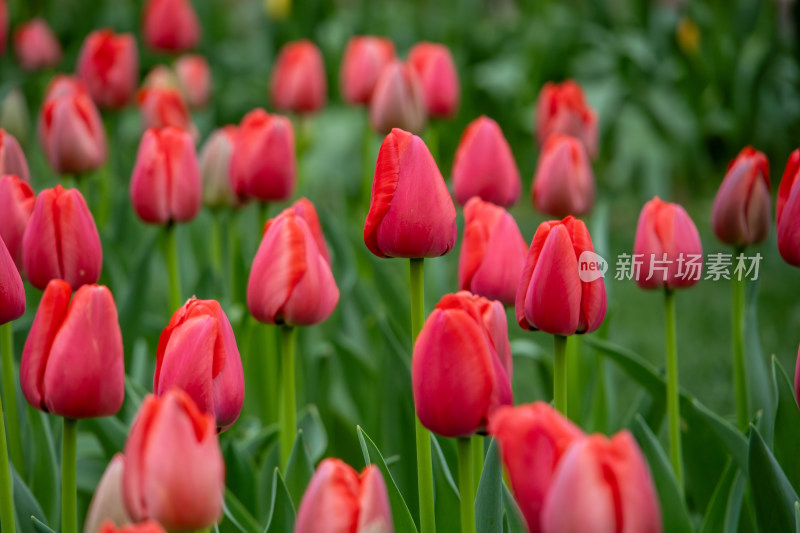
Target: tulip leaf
x=489 y=501
x=787 y=425
x=282 y=512
x=722 y=513
x=43 y=470
x=238 y=515
x=37 y=526
x=760 y=395
x=445 y=495
x=239 y=468
x=110 y=432
x=514 y=518
x=314 y=435
x=796 y=517
x=773 y=495
x=25 y=505
x=299 y=469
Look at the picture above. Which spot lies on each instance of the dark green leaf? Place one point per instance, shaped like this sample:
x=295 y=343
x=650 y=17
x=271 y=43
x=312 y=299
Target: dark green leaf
x=299 y=469
x=773 y=495
x=448 y=519
x=38 y=526
x=43 y=472
x=236 y=513
x=25 y=505
x=282 y=512
x=786 y=434
x=315 y=436
x=489 y=501
x=514 y=518
x=726 y=502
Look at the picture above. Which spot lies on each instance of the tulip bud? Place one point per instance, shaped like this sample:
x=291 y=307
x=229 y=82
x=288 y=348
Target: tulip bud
x=199 y=336
x=398 y=100
x=3 y=26
x=215 y=167
x=170 y=25
x=12 y=292
x=149 y=526
x=364 y=59
x=72 y=364
x=484 y=165
x=165 y=186
x=562 y=108
x=437 y=72
x=602 y=481
x=14 y=116
x=174 y=472
x=457 y=373
x=291 y=281
x=667 y=243
x=12 y=159
x=340 y=500
x=36 y=46
x=298 y=82
x=787 y=211
x=552 y=294
x=492 y=254
x=263 y=164
x=109 y=66
x=161 y=107
x=61 y=240
x=16 y=205
x=107 y=507
x=564 y=183
x=194 y=77
x=411 y=213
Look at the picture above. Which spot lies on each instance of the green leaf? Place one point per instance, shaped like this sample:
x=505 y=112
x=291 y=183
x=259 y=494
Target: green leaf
x=514 y=518
x=722 y=514
x=448 y=519
x=796 y=517
x=25 y=505
x=44 y=470
x=315 y=436
x=299 y=469
x=236 y=513
x=110 y=431
x=773 y=495
x=282 y=513
x=786 y=434
x=489 y=501
x=38 y=526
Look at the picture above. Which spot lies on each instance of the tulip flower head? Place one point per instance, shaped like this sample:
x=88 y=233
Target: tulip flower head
x=562 y=108
x=12 y=292
x=12 y=159
x=36 y=46
x=16 y=206
x=564 y=183
x=215 y=168
x=3 y=25
x=364 y=59
x=108 y=507
x=306 y=210
x=109 y=66
x=170 y=25
x=787 y=211
x=437 y=72
x=194 y=76
x=298 y=82
x=398 y=100
x=161 y=106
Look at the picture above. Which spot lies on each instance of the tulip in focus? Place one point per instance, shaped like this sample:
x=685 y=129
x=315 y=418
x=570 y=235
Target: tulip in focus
x=564 y=183
x=109 y=66
x=108 y=507
x=12 y=158
x=36 y=46
x=16 y=205
x=741 y=213
x=150 y=526
x=364 y=59
x=161 y=107
x=787 y=211
x=194 y=76
x=562 y=108
x=298 y=82
x=215 y=168
x=12 y=292
x=170 y=25
x=398 y=100
x=437 y=72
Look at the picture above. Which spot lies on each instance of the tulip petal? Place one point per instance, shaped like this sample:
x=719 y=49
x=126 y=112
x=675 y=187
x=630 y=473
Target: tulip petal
x=330 y=502
x=81 y=254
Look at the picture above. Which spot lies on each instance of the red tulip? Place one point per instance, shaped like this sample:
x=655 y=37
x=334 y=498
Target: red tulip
x=3 y=26
x=363 y=61
x=194 y=77
x=170 y=25
x=741 y=213
x=197 y=352
x=551 y=296
x=166 y=186
x=109 y=66
x=492 y=254
x=72 y=364
x=12 y=292
x=787 y=211
x=36 y=46
x=666 y=242
x=16 y=205
x=161 y=107
x=484 y=165
x=339 y=500
x=61 y=240
x=290 y=281
x=602 y=485
x=263 y=164
x=457 y=373
x=411 y=213
x=107 y=507
x=437 y=71
x=215 y=168
x=149 y=526
x=12 y=158
x=174 y=472
x=305 y=210
x=298 y=80
x=564 y=183
x=562 y=108
x=398 y=100
x=533 y=439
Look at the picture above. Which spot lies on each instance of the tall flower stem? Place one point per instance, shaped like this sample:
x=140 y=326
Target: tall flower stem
x=171 y=256
x=477 y=459
x=10 y=397
x=368 y=163
x=673 y=405
x=6 y=491
x=69 y=490
x=466 y=487
x=560 y=373
x=288 y=412
x=739 y=369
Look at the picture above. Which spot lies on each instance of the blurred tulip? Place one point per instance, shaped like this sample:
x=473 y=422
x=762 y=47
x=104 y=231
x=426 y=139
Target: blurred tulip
x=161 y=77
x=398 y=100
x=170 y=25
x=339 y=500
x=457 y=374
x=109 y=66
x=298 y=82
x=14 y=116
x=411 y=213
x=72 y=364
x=263 y=164
x=306 y=210
x=61 y=240
x=3 y=26
x=12 y=292
x=174 y=471
x=437 y=72
x=215 y=168
x=16 y=205
x=564 y=183
x=364 y=59
x=278 y=9
x=492 y=254
x=667 y=244
x=562 y=108
x=552 y=294
x=12 y=159
x=787 y=211
x=149 y=526
x=108 y=507
x=161 y=107
x=533 y=439
x=165 y=186
x=194 y=76
x=36 y=46
x=197 y=352
x=484 y=165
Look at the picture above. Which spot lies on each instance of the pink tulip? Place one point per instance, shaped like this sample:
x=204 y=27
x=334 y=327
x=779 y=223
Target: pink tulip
x=170 y=25
x=363 y=61
x=109 y=66
x=564 y=183
x=108 y=506
x=437 y=71
x=741 y=213
x=298 y=81
x=36 y=46
x=787 y=211
x=160 y=107
x=12 y=159
x=149 y=526
x=562 y=108
x=398 y=100
x=306 y=210
x=194 y=76
x=215 y=168
x=16 y=205
x=12 y=292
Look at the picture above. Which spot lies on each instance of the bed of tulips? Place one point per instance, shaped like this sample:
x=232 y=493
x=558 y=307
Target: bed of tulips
x=476 y=267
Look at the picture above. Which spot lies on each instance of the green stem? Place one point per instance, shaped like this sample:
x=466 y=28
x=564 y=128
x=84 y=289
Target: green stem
x=6 y=491
x=466 y=487
x=739 y=369
x=233 y=253
x=171 y=256
x=673 y=405
x=288 y=415
x=368 y=163
x=477 y=459
x=10 y=398
x=215 y=245
x=560 y=373
x=423 y=436
x=69 y=490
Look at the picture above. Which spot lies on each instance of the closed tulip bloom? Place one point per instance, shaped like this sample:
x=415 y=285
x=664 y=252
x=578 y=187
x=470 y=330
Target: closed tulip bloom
x=562 y=108
x=197 y=352
x=16 y=205
x=298 y=82
x=398 y=100
x=602 y=485
x=161 y=77
x=194 y=76
x=165 y=186
x=363 y=61
x=411 y=213
x=339 y=500
x=174 y=471
x=72 y=364
x=291 y=281
x=306 y=210
x=533 y=439
x=215 y=168
x=12 y=292
x=109 y=66
x=551 y=296
x=12 y=158
x=264 y=164
x=437 y=72
x=457 y=374
x=667 y=243
x=741 y=213
x=160 y=107
x=170 y=25
x=36 y=46
x=484 y=165
x=3 y=26
x=787 y=211
x=563 y=184
x=149 y=526
x=61 y=240
x=108 y=507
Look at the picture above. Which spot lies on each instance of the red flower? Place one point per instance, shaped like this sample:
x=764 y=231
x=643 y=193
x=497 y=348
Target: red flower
x=16 y=205
x=12 y=158
x=12 y=292
x=107 y=508
x=109 y=66
x=36 y=46
x=215 y=168
x=298 y=80
x=170 y=25
x=437 y=71
x=194 y=76
x=364 y=59
x=741 y=214
x=150 y=526
x=398 y=100
x=564 y=183
x=160 y=107
x=787 y=211
x=562 y=108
